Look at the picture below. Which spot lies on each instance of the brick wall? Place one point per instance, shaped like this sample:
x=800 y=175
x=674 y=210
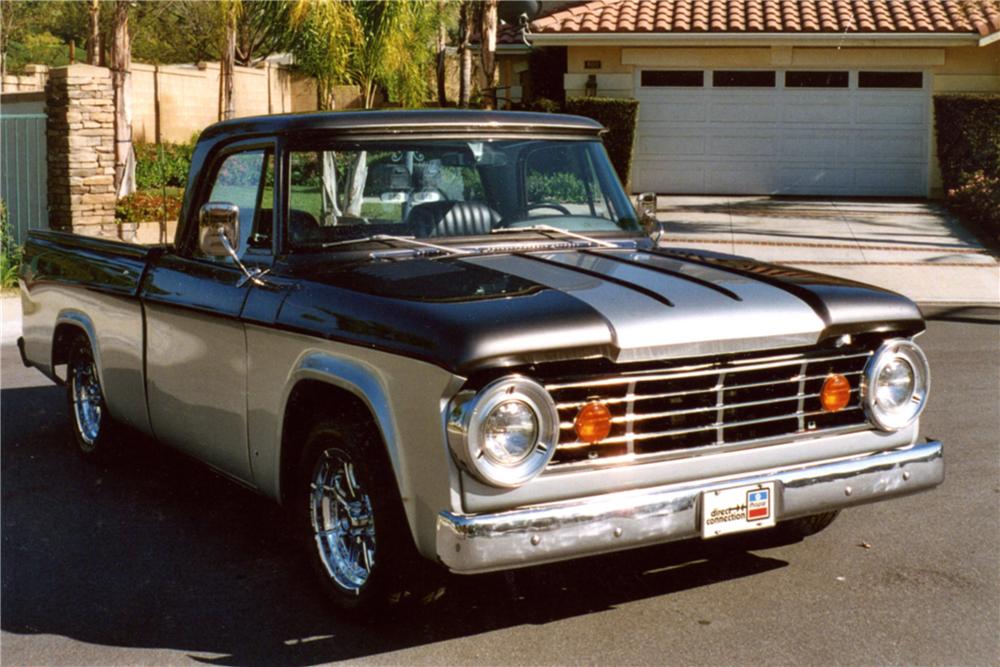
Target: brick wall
x=81 y=150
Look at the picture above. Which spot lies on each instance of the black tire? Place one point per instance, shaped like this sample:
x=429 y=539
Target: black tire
x=346 y=505
x=94 y=431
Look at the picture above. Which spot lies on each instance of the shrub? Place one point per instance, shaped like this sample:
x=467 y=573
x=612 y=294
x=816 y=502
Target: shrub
x=620 y=117
x=968 y=143
x=149 y=205
x=978 y=197
x=968 y=135
x=560 y=187
x=153 y=171
x=10 y=252
x=543 y=104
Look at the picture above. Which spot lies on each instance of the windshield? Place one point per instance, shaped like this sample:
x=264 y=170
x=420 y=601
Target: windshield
x=440 y=188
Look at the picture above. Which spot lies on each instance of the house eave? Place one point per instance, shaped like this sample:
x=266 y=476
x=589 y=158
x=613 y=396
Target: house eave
x=893 y=40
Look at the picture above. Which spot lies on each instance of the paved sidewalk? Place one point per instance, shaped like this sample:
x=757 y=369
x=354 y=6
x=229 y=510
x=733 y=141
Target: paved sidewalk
x=916 y=248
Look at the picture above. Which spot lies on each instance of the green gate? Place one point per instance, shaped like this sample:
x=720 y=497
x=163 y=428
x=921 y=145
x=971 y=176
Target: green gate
x=23 y=171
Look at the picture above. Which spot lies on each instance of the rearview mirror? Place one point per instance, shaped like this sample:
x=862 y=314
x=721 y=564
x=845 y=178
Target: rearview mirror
x=216 y=219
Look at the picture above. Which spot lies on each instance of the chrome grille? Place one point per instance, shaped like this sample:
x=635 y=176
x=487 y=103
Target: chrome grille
x=719 y=403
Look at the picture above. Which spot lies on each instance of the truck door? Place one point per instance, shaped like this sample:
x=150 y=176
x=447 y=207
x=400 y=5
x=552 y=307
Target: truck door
x=196 y=362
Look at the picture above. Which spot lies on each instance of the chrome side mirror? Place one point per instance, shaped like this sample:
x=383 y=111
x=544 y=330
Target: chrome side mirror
x=218 y=227
x=218 y=234
x=645 y=208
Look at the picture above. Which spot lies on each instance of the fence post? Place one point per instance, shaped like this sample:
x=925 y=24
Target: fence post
x=81 y=150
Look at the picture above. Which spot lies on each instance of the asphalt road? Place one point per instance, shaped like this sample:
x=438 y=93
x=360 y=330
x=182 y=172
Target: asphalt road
x=157 y=561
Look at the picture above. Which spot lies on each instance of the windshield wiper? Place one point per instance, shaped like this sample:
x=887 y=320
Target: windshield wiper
x=554 y=230
x=400 y=239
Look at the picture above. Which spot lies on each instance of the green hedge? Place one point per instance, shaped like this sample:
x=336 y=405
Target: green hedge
x=10 y=252
x=968 y=135
x=155 y=167
x=968 y=146
x=620 y=117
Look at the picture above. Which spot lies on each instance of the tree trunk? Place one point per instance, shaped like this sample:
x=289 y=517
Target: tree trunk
x=94 y=40
x=488 y=49
x=227 y=108
x=442 y=63
x=465 y=76
x=121 y=65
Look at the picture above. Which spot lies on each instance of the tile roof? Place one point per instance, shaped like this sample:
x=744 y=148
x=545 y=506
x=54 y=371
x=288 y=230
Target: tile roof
x=775 y=16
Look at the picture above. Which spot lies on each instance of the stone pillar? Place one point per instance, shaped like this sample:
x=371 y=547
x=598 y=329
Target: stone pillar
x=81 y=150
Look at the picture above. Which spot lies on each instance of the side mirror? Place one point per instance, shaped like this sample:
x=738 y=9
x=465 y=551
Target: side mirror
x=215 y=221
x=646 y=210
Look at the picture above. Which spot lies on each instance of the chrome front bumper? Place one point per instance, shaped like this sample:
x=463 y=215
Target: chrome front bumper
x=570 y=529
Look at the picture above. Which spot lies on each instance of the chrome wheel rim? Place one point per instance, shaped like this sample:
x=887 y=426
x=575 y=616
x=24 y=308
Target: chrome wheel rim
x=342 y=520
x=88 y=402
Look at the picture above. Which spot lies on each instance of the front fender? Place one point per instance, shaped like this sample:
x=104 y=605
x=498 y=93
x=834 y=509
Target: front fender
x=406 y=398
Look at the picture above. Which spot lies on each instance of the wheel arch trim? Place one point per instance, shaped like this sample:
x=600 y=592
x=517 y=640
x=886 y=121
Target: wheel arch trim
x=362 y=382
x=78 y=320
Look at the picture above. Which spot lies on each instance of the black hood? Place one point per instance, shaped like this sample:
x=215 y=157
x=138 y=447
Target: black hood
x=466 y=313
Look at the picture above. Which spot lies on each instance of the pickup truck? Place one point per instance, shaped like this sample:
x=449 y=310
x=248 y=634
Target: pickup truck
x=448 y=340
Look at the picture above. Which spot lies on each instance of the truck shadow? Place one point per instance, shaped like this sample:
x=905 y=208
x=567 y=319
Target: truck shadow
x=155 y=551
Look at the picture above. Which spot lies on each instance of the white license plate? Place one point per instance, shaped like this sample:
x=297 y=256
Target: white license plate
x=737 y=510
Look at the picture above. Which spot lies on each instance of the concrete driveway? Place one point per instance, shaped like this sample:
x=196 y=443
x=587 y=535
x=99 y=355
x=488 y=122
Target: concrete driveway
x=916 y=248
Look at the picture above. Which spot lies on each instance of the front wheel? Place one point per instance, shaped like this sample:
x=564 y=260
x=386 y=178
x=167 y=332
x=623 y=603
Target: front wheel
x=352 y=523
x=93 y=428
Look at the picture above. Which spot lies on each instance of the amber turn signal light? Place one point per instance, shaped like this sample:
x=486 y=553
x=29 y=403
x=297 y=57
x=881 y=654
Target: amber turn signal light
x=593 y=423
x=836 y=393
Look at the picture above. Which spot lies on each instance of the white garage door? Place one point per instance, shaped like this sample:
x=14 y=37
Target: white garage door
x=782 y=132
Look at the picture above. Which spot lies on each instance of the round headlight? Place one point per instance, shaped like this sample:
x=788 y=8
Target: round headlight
x=506 y=433
x=897 y=380
x=510 y=432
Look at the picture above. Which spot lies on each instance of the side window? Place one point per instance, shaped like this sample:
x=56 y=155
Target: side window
x=247 y=180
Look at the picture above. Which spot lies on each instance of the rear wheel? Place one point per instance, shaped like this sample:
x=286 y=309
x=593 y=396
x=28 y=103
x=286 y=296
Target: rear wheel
x=352 y=523
x=93 y=428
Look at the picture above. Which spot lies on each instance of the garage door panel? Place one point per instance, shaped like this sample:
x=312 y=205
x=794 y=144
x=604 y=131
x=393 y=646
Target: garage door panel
x=650 y=174
x=818 y=145
x=815 y=179
x=745 y=177
x=741 y=145
x=672 y=109
x=676 y=146
x=826 y=111
x=744 y=111
x=890 y=145
x=895 y=111
x=890 y=180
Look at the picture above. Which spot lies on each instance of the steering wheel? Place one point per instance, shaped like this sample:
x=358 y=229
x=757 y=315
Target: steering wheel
x=549 y=204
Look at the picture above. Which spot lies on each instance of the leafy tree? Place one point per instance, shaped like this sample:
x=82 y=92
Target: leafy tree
x=395 y=50
x=325 y=32
x=263 y=28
